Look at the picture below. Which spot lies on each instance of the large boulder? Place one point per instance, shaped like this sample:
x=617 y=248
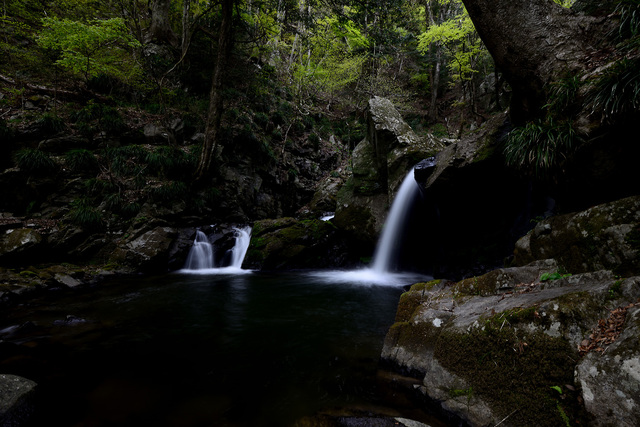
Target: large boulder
x=606 y=236
x=16 y=400
x=380 y=162
x=288 y=243
x=148 y=250
x=508 y=347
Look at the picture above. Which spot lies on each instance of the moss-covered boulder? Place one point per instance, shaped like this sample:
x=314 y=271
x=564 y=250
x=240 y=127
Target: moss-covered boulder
x=508 y=347
x=288 y=243
x=606 y=236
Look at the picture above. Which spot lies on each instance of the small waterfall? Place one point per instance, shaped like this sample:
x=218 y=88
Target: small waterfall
x=202 y=257
x=385 y=255
x=243 y=238
x=201 y=253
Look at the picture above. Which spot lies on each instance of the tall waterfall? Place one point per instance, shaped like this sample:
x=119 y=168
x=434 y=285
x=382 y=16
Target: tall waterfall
x=385 y=256
x=201 y=258
x=201 y=253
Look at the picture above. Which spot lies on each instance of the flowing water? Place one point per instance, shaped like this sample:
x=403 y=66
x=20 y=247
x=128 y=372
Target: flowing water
x=387 y=249
x=188 y=350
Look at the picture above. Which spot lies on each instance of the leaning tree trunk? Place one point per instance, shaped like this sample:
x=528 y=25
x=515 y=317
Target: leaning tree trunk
x=534 y=42
x=214 y=114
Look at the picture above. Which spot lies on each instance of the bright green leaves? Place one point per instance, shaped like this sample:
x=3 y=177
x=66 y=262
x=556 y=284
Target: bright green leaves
x=102 y=47
x=459 y=39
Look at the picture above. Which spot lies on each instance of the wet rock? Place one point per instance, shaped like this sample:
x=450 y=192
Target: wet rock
x=287 y=243
x=380 y=163
x=16 y=400
x=147 y=250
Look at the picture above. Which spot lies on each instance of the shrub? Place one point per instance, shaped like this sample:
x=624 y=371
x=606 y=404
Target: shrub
x=81 y=160
x=540 y=147
x=35 y=161
x=84 y=214
x=51 y=123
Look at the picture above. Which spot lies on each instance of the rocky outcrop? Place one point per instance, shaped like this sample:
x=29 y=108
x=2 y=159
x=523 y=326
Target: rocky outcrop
x=288 y=243
x=380 y=162
x=606 y=236
x=533 y=344
x=147 y=250
x=16 y=395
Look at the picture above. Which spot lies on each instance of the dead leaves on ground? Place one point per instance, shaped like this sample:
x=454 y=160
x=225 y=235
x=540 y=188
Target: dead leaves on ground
x=607 y=331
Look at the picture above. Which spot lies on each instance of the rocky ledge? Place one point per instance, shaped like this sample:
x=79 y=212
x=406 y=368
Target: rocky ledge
x=534 y=344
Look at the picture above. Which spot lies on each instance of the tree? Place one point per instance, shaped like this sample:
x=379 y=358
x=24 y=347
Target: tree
x=214 y=113
x=160 y=30
x=534 y=43
x=102 y=47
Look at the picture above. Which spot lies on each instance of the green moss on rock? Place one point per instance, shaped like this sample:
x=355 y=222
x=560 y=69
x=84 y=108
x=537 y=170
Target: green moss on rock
x=514 y=372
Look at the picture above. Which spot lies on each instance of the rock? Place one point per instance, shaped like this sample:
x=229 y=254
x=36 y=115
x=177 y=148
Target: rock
x=380 y=163
x=16 y=400
x=147 y=250
x=20 y=244
x=494 y=348
x=610 y=381
x=63 y=144
x=606 y=236
x=287 y=243
x=158 y=135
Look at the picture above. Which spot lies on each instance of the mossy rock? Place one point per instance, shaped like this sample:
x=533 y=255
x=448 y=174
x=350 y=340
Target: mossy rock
x=287 y=243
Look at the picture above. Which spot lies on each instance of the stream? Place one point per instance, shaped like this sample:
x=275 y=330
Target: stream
x=181 y=349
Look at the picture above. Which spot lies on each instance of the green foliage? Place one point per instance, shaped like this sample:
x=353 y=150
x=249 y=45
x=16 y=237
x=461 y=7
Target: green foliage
x=51 y=123
x=5 y=131
x=35 y=161
x=461 y=42
x=545 y=277
x=617 y=92
x=541 y=147
x=96 y=117
x=81 y=160
x=85 y=215
x=101 y=47
x=170 y=191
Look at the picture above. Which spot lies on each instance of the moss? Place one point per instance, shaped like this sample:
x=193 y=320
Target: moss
x=513 y=371
x=633 y=238
x=478 y=285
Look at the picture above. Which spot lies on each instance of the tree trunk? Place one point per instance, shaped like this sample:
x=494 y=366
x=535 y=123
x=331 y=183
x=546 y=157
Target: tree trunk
x=160 y=30
x=214 y=115
x=533 y=42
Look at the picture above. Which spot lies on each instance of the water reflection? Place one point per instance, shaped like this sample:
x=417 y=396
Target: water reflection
x=223 y=349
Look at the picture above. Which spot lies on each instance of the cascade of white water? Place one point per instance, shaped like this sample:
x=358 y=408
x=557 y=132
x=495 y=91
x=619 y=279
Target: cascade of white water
x=386 y=249
x=201 y=253
x=243 y=238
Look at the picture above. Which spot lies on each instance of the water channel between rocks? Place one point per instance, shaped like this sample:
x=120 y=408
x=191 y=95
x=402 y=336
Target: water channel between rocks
x=186 y=349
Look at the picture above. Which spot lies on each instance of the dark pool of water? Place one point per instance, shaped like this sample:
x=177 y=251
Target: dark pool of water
x=187 y=350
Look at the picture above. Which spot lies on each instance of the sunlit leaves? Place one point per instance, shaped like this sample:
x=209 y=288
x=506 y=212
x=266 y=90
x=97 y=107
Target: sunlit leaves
x=101 y=47
x=461 y=42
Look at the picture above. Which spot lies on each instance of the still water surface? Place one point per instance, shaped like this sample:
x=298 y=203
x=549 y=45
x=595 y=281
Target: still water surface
x=185 y=350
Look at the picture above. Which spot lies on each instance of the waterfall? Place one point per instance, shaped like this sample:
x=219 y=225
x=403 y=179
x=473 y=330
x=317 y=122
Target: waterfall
x=201 y=253
x=386 y=250
x=202 y=259
x=243 y=238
